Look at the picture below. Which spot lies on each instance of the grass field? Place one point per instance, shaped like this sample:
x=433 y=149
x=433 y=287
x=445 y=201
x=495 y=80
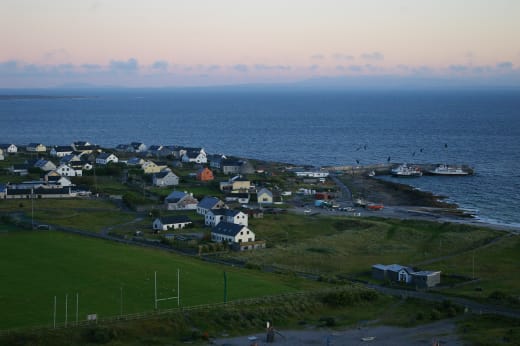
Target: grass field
x=85 y=214
x=340 y=245
x=40 y=265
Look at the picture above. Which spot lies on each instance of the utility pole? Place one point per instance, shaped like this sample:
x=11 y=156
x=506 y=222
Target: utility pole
x=225 y=287
x=473 y=264
x=121 y=300
x=155 y=289
x=54 y=319
x=77 y=307
x=66 y=308
x=32 y=207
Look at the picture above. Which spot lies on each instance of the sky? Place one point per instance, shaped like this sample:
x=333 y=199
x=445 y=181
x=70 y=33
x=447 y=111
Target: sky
x=158 y=43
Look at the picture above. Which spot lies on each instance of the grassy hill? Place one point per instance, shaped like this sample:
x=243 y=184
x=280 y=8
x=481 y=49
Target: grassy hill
x=40 y=265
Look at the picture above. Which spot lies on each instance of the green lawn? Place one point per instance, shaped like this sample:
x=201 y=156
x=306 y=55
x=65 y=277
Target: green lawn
x=496 y=267
x=341 y=245
x=40 y=265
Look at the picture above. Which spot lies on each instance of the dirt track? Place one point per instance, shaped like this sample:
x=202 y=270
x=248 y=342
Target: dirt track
x=442 y=332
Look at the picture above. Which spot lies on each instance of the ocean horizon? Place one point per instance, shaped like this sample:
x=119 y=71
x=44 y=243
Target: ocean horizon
x=479 y=128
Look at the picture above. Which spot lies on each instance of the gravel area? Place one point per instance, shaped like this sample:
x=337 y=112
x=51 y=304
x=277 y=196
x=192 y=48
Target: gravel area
x=442 y=333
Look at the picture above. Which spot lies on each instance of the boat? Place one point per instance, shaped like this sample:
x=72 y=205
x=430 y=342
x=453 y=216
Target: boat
x=406 y=171
x=448 y=170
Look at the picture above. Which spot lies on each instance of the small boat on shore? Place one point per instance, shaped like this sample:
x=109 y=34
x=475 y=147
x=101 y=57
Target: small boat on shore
x=448 y=170
x=406 y=171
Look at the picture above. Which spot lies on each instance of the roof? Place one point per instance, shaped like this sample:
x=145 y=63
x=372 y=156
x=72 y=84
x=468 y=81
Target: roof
x=104 y=155
x=175 y=196
x=393 y=267
x=63 y=148
x=265 y=190
x=226 y=228
x=208 y=202
x=163 y=174
x=169 y=220
x=426 y=273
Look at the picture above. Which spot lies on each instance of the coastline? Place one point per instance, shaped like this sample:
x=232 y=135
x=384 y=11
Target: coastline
x=403 y=201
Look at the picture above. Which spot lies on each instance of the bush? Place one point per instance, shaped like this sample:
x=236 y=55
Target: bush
x=100 y=335
x=435 y=315
x=328 y=321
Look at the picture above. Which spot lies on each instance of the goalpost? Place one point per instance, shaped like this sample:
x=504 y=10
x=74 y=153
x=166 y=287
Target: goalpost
x=178 y=297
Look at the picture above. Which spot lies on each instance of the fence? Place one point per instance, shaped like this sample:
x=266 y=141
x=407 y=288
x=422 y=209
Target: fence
x=152 y=314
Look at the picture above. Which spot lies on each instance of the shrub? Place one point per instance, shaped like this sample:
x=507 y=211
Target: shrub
x=100 y=335
x=435 y=315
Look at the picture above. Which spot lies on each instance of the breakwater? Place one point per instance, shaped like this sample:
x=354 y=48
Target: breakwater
x=386 y=168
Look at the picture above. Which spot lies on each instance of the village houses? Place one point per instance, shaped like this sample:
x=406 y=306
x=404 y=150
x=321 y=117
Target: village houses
x=9 y=148
x=106 y=158
x=179 y=200
x=165 y=178
x=36 y=148
x=166 y=223
x=209 y=203
x=214 y=216
x=205 y=174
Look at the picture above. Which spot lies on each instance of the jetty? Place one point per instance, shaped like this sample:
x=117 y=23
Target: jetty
x=386 y=168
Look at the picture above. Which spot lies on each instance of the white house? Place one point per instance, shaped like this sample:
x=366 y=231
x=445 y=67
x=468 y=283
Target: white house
x=231 y=233
x=312 y=174
x=1 y=154
x=61 y=151
x=138 y=147
x=264 y=196
x=105 y=158
x=178 y=200
x=68 y=171
x=135 y=161
x=171 y=222
x=208 y=203
x=36 y=147
x=195 y=155
x=58 y=181
x=215 y=216
x=9 y=148
x=165 y=178
x=45 y=165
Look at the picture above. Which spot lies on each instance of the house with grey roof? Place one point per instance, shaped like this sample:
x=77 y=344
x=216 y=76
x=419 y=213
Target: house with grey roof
x=179 y=200
x=106 y=158
x=166 y=223
x=135 y=161
x=264 y=196
x=138 y=147
x=61 y=150
x=165 y=178
x=45 y=165
x=209 y=203
x=196 y=155
x=231 y=233
x=9 y=148
x=214 y=216
x=399 y=273
x=36 y=148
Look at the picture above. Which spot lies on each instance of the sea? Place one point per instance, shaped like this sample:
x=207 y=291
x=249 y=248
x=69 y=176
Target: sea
x=479 y=128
